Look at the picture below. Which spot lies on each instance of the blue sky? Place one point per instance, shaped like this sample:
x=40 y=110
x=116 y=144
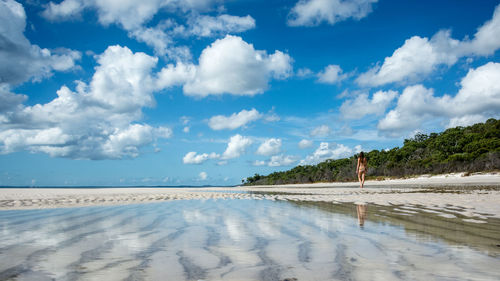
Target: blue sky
x=199 y=92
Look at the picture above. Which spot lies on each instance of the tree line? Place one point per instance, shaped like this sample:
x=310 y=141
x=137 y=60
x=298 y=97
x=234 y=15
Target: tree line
x=462 y=149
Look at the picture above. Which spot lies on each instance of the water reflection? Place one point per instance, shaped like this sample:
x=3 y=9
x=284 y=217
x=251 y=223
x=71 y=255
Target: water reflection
x=423 y=223
x=361 y=209
x=244 y=240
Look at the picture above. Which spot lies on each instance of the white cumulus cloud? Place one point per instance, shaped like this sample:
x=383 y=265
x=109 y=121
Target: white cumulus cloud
x=326 y=151
x=277 y=161
x=236 y=146
x=305 y=143
x=235 y=120
x=126 y=142
x=477 y=100
x=259 y=163
x=415 y=59
x=207 y=26
x=232 y=66
x=281 y=160
x=362 y=105
x=228 y=66
x=420 y=56
x=19 y=59
x=332 y=74
x=9 y=102
x=134 y=16
x=415 y=105
x=127 y=14
x=194 y=158
x=315 y=12
x=162 y=37
x=98 y=120
x=161 y=40
x=63 y=10
x=175 y=75
x=269 y=147
x=487 y=38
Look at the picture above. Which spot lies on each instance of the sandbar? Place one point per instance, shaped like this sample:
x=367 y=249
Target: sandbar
x=475 y=196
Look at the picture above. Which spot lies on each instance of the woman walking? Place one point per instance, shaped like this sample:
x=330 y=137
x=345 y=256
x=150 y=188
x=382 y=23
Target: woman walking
x=361 y=168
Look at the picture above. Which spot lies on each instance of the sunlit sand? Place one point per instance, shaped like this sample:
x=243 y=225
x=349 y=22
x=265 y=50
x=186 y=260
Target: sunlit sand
x=476 y=196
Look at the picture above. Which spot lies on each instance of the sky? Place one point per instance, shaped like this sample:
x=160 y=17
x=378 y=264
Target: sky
x=209 y=92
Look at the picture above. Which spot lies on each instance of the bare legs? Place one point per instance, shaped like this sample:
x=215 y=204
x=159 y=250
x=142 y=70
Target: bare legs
x=361 y=178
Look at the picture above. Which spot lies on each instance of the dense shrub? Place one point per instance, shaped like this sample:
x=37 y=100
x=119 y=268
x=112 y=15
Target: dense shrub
x=461 y=149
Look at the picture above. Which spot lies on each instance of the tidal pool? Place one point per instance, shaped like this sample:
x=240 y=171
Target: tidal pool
x=247 y=240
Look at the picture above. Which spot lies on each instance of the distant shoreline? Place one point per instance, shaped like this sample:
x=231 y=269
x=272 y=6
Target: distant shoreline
x=116 y=186
x=443 y=180
x=474 y=196
x=451 y=179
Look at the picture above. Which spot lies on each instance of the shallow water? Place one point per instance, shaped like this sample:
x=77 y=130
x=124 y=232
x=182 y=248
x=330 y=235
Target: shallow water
x=247 y=240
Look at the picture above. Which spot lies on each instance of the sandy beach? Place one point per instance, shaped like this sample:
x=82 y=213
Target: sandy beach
x=474 y=196
x=427 y=228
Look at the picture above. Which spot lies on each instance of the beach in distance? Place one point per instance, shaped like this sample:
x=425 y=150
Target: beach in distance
x=476 y=195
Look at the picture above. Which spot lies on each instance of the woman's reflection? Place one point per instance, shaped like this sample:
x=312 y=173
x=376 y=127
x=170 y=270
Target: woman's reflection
x=361 y=208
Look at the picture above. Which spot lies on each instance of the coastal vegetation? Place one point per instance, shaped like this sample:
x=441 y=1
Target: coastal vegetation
x=461 y=149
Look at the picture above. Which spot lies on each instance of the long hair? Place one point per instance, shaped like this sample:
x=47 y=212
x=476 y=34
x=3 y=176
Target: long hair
x=361 y=155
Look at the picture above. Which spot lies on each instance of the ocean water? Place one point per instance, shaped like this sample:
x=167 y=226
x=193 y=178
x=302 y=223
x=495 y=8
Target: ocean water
x=246 y=240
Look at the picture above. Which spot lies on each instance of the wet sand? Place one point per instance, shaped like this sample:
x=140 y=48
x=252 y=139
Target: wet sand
x=475 y=196
x=245 y=240
x=390 y=230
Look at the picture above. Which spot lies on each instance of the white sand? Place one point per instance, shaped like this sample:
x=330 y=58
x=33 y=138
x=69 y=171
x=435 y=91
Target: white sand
x=479 y=179
x=474 y=203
